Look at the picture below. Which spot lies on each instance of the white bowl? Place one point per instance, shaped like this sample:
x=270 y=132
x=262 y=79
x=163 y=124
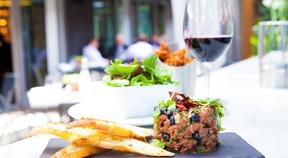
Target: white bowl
x=125 y=102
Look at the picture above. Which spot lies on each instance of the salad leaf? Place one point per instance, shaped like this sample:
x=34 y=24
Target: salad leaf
x=163 y=74
x=158 y=143
x=137 y=73
x=141 y=80
x=168 y=103
x=119 y=69
x=150 y=63
x=118 y=83
x=155 y=115
x=115 y=83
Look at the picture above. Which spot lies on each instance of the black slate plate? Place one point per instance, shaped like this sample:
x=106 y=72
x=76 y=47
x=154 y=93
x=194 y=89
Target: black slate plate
x=232 y=146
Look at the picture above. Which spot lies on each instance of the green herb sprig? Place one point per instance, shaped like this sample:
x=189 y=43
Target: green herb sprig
x=158 y=143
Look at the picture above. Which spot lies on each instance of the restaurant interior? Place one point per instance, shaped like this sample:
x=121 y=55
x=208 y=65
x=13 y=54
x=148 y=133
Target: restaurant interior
x=44 y=74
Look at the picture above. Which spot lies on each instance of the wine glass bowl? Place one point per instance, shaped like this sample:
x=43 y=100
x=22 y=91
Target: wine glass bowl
x=201 y=47
x=207 y=31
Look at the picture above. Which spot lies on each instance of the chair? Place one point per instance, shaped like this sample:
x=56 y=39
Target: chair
x=6 y=93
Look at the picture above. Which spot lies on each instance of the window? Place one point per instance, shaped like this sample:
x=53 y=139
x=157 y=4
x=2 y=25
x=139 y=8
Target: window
x=104 y=23
x=33 y=24
x=146 y=16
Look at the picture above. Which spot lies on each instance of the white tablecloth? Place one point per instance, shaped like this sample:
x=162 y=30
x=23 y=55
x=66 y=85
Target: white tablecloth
x=259 y=115
x=51 y=96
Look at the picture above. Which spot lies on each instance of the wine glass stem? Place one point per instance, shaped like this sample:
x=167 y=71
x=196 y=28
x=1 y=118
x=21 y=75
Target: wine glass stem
x=207 y=69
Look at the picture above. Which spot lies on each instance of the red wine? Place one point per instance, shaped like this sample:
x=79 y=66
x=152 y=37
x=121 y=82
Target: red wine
x=207 y=49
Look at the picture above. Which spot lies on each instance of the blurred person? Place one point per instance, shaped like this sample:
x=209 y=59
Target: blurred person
x=5 y=58
x=93 y=55
x=141 y=49
x=118 y=50
x=154 y=42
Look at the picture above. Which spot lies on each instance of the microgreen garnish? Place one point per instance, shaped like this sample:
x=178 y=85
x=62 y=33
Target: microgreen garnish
x=218 y=106
x=158 y=143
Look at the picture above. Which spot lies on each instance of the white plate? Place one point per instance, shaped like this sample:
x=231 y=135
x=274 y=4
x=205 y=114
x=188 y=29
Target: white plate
x=81 y=110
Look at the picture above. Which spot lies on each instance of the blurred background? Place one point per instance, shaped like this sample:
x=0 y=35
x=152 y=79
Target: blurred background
x=40 y=35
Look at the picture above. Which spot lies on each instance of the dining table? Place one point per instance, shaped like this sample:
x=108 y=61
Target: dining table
x=257 y=114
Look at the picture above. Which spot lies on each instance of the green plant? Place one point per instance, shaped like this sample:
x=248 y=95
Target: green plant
x=273 y=10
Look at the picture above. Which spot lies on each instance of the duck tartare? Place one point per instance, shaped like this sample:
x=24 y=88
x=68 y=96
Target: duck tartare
x=185 y=125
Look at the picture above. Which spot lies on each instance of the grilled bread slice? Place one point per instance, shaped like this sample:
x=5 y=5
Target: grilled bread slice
x=97 y=138
x=113 y=128
x=77 y=151
x=108 y=141
x=56 y=129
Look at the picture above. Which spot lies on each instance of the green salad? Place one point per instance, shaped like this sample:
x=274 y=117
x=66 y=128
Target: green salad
x=137 y=73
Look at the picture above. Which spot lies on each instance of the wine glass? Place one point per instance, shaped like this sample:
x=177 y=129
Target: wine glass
x=207 y=31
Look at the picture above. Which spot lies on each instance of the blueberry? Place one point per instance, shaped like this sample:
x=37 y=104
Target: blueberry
x=162 y=110
x=196 y=136
x=195 y=117
x=169 y=113
x=166 y=137
x=172 y=120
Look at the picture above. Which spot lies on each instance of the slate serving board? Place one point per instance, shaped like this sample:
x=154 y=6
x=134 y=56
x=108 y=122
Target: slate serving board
x=232 y=146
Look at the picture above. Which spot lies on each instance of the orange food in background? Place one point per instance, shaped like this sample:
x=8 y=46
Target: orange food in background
x=173 y=59
x=74 y=86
